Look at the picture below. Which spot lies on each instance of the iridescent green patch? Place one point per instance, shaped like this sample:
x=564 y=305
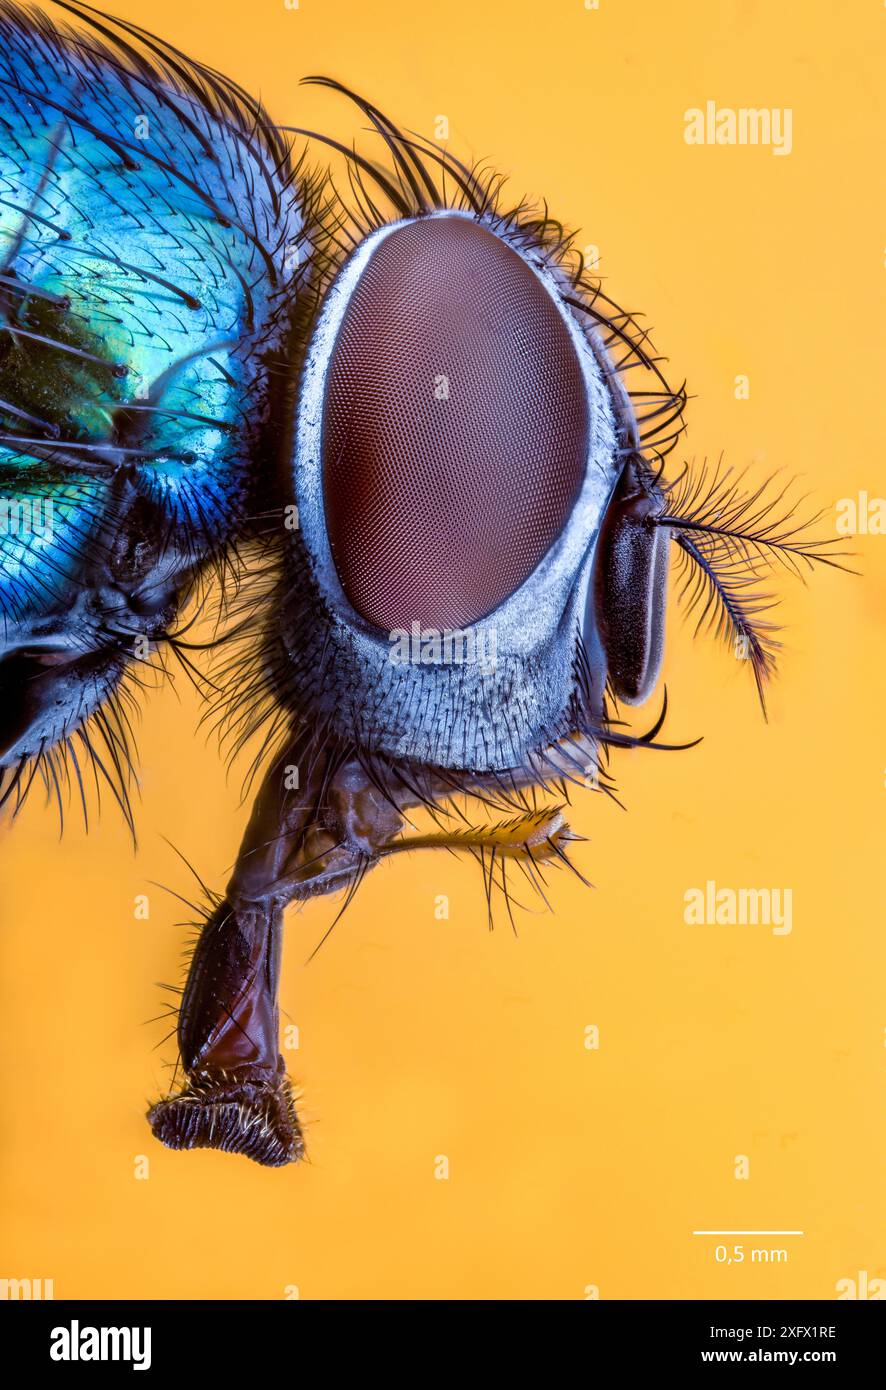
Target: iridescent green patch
x=56 y=379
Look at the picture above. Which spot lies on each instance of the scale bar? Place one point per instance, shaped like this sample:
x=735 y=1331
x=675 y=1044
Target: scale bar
x=749 y=1233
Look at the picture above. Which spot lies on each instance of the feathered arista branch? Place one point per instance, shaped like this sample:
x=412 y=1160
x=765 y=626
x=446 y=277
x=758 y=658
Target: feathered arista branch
x=754 y=523
x=730 y=538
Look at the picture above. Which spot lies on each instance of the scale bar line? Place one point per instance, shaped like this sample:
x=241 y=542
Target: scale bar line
x=749 y=1233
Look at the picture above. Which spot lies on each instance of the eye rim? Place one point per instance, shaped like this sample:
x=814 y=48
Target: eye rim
x=547 y=588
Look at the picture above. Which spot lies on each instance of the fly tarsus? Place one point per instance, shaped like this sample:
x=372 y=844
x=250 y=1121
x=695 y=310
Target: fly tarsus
x=237 y=1096
x=233 y=1113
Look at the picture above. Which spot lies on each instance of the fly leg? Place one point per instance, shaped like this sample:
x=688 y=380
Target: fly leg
x=319 y=823
x=301 y=841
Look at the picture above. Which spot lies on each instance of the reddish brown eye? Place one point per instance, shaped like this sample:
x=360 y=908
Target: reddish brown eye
x=455 y=427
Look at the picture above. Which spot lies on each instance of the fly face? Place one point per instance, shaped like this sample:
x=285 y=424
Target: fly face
x=152 y=235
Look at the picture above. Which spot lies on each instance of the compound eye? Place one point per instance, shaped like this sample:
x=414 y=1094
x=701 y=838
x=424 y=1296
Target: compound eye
x=455 y=430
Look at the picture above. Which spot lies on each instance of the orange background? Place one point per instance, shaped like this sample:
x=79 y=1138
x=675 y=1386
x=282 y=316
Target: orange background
x=568 y=1168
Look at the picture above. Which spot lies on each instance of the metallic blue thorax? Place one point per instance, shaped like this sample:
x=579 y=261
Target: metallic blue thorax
x=147 y=256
